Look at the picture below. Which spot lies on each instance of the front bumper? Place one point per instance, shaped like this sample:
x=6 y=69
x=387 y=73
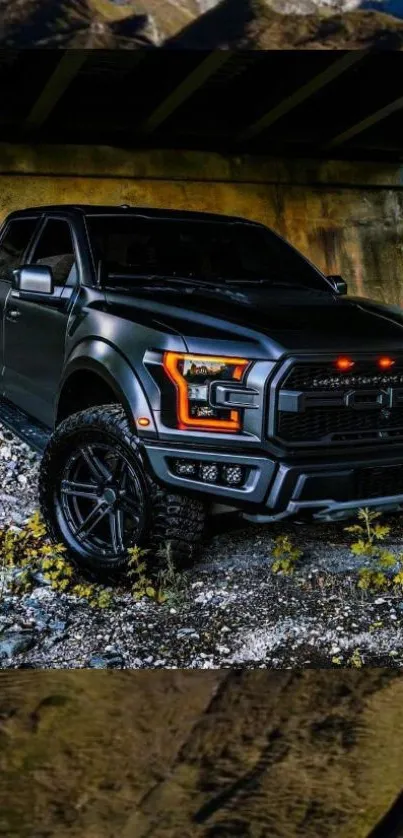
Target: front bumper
x=260 y=471
x=274 y=490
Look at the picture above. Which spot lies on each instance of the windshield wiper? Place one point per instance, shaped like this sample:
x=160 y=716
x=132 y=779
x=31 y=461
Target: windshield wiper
x=178 y=280
x=276 y=283
x=220 y=285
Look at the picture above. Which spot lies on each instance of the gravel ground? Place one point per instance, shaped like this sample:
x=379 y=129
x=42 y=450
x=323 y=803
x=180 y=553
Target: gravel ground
x=232 y=613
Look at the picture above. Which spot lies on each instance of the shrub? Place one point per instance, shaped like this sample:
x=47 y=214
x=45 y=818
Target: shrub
x=379 y=574
x=141 y=584
x=286 y=555
x=27 y=552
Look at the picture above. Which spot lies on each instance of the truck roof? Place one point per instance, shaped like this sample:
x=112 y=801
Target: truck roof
x=151 y=212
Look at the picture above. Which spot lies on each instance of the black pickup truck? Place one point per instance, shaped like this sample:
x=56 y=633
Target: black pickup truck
x=171 y=361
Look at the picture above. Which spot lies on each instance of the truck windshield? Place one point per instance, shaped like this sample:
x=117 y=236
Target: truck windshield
x=202 y=250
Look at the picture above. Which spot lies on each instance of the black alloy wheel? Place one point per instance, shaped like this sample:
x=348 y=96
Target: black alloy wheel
x=98 y=497
x=101 y=500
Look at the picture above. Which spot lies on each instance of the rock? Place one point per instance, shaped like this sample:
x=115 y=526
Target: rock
x=40 y=579
x=106 y=661
x=58 y=626
x=184 y=632
x=13 y=643
x=40 y=619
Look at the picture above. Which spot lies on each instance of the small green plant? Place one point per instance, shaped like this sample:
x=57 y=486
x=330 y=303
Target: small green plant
x=28 y=552
x=377 y=576
x=96 y=595
x=356 y=660
x=167 y=586
x=169 y=579
x=141 y=585
x=378 y=624
x=286 y=555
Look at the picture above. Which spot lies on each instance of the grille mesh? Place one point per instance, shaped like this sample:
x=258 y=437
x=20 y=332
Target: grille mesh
x=332 y=423
x=379 y=482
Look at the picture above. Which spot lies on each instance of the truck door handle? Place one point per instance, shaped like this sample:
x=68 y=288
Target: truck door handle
x=13 y=314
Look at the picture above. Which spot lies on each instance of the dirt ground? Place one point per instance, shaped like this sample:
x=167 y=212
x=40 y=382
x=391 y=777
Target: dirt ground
x=185 y=754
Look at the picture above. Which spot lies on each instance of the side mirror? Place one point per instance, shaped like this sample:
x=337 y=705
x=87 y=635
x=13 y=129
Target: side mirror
x=339 y=284
x=33 y=279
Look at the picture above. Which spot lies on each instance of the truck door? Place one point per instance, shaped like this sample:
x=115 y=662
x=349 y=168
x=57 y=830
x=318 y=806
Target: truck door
x=14 y=243
x=35 y=330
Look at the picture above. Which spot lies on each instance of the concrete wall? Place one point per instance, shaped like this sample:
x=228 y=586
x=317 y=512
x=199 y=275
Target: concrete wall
x=348 y=218
x=192 y=754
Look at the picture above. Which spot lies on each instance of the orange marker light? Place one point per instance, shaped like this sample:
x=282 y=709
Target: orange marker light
x=386 y=363
x=344 y=364
x=143 y=421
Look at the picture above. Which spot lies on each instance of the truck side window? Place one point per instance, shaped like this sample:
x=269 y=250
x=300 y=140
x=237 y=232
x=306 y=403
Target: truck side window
x=14 y=244
x=55 y=249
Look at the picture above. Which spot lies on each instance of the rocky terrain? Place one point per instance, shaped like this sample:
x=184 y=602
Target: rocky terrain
x=75 y=24
x=199 y=755
x=297 y=24
x=226 y=611
x=207 y=24
x=323 y=7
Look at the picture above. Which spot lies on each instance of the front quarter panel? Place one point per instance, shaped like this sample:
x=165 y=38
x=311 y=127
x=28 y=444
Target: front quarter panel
x=101 y=358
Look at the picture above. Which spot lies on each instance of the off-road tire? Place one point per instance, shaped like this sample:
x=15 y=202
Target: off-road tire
x=171 y=521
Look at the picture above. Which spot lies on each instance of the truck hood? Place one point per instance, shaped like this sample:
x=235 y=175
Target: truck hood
x=275 y=321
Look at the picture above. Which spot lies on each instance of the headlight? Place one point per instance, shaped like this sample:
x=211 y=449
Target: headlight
x=193 y=376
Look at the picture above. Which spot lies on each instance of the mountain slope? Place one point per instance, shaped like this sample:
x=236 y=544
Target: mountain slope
x=323 y=7
x=71 y=24
x=254 y=24
x=92 y=23
x=202 y=24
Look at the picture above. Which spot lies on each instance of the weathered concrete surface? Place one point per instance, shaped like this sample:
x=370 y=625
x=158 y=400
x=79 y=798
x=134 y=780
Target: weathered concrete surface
x=78 y=751
x=180 y=754
x=347 y=217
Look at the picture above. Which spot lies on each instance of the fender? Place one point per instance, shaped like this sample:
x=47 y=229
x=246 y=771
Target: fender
x=100 y=357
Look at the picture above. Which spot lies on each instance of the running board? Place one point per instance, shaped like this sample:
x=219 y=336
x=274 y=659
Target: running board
x=28 y=430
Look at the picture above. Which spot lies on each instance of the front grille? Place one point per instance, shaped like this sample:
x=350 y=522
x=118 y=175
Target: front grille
x=343 y=419
x=379 y=482
x=324 y=377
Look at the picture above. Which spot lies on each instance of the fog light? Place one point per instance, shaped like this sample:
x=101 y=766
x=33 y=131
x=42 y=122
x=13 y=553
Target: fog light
x=209 y=472
x=185 y=468
x=233 y=475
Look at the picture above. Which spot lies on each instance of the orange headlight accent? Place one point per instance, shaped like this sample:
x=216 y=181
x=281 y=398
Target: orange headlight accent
x=385 y=363
x=170 y=364
x=344 y=364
